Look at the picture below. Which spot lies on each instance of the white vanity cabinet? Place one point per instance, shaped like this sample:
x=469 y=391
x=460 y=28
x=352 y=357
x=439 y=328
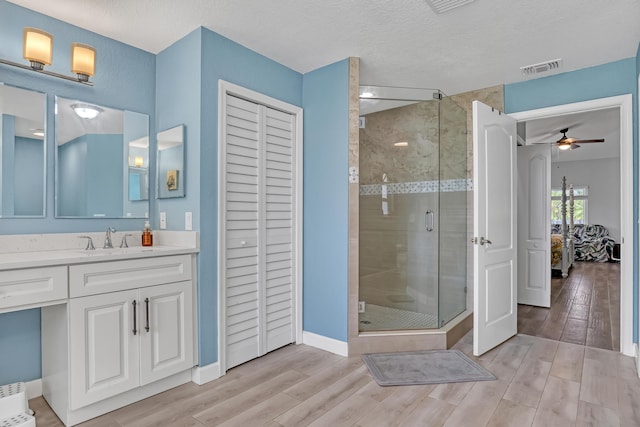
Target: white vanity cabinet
x=126 y=333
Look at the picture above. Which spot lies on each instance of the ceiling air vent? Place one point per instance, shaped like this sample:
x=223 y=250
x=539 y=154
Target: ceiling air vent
x=543 y=67
x=442 y=6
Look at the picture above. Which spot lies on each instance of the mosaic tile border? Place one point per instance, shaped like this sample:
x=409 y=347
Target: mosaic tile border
x=447 y=185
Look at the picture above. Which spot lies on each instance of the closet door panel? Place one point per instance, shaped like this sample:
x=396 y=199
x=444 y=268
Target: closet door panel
x=242 y=188
x=278 y=233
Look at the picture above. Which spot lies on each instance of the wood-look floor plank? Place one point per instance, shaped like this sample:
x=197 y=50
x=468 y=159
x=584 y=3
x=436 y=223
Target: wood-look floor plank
x=430 y=413
x=511 y=414
x=396 y=407
x=568 y=362
x=251 y=397
x=528 y=384
x=597 y=386
x=262 y=413
x=590 y=415
x=347 y=412
x=326 y=399
x=559 y=402
x=478 y=405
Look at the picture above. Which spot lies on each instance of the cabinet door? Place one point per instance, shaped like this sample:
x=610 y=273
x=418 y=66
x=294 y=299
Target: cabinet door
x=166 y=340
x=104 y=351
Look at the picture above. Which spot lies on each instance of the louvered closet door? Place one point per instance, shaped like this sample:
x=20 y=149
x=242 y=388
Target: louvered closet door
x=258 y=229
x=278 y=215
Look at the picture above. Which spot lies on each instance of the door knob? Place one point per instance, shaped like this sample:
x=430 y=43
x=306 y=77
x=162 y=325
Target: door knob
x=483 y=241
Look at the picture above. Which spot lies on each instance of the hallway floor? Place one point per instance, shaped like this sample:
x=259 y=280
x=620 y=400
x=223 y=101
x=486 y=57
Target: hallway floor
x=540 y=383
x=585 y=308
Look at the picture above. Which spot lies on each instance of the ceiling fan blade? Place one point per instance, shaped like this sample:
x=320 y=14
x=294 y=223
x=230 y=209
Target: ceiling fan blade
x=588 y=140
x=574 y=146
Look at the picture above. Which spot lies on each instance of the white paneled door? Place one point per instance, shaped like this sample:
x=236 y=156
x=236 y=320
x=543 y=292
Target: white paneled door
x=257 y=229
x=534 y=217
x=494 y=223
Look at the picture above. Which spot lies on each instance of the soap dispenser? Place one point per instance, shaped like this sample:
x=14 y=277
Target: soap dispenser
x=147 y=237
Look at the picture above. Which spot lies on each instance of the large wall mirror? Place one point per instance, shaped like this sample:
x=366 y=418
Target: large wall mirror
x=170 y=160
x=102 y=161
x=22 y=152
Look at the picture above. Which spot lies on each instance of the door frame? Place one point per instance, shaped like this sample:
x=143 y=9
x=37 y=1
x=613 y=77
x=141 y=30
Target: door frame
x=227 y=88
x=625 y=104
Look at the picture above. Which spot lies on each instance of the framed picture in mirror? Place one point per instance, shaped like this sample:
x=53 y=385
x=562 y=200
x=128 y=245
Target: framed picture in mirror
x=170 y=163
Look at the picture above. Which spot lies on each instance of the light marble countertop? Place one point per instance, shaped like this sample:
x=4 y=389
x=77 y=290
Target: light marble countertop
x=43 y=250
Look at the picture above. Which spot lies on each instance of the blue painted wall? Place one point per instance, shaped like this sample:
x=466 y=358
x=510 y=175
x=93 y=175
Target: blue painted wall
x=7 y=169
x=612 y=79
x=326 y=200
x=125 y=79
x=178 y=81
x=28 y=181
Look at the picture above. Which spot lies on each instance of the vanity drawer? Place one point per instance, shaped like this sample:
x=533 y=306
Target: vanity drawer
x=110 y=276
x=20 y=289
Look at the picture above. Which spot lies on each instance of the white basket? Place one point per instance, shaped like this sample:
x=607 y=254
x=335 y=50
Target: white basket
x=19 y=420
x=13 y=400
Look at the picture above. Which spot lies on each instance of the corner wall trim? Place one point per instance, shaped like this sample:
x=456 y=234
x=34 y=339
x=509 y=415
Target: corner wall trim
x=340 y=348
x=34 y=388
x=204 y=374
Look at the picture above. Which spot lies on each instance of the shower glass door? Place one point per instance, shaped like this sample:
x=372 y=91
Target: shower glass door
x=452 y=267
x=400 y=217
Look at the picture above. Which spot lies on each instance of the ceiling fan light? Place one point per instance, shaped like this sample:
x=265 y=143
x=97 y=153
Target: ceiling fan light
x=564 y=146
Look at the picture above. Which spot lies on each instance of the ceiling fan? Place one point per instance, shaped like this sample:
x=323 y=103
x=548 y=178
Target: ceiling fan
x=568 y=143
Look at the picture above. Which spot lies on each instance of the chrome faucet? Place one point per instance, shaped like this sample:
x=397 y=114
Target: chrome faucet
x=107 y=239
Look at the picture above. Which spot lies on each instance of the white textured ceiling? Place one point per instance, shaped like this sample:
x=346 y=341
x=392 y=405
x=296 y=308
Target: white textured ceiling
x=400 y=42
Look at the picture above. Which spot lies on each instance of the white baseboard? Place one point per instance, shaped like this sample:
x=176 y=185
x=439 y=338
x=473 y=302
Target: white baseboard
x=34 y=388
x=204 y=374
x=338 y=347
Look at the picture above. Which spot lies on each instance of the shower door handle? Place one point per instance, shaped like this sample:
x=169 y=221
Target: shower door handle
x=428 y=220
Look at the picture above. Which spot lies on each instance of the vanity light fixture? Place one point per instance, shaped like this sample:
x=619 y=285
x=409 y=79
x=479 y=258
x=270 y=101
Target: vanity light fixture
x=37 y=48
x=138 y=162
x=86 y=111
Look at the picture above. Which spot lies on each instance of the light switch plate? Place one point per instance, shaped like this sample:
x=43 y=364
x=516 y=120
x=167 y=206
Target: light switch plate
x=188 y=221
x=163 y=220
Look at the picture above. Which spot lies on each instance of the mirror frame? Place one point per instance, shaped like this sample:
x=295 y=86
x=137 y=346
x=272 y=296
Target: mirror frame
x=170 y=175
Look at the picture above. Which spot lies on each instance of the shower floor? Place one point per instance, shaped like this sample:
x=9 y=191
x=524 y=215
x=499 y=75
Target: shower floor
x=379 y=318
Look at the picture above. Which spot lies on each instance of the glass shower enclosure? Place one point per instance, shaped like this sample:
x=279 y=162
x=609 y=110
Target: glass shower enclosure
x=413 y=209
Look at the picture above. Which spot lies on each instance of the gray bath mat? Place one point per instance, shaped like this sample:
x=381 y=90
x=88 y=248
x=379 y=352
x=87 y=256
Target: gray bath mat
x=424 y=367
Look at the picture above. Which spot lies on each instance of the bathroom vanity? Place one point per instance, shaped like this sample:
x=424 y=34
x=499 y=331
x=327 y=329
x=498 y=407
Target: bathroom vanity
x=118 y=325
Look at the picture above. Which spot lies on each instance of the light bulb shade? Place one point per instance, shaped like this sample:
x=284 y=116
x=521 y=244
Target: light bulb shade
x=86 y=111
x=564 y=146
x=138 y=162
x=37 y=47
x=83 y=60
